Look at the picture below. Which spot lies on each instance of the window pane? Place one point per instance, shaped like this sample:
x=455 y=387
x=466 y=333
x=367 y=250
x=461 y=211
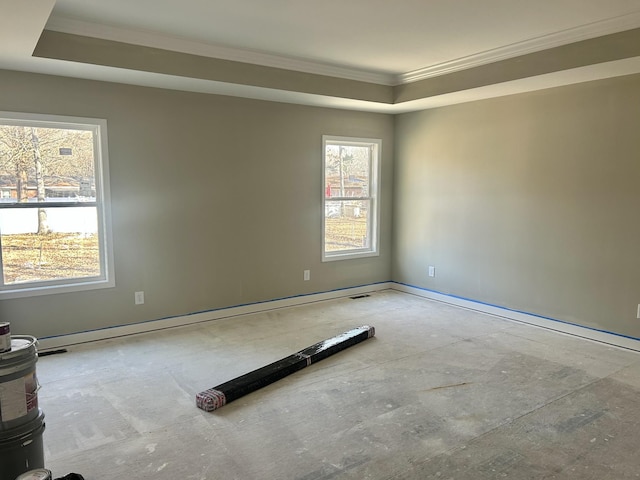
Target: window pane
x=40 y=164
x=346 y=225
x=347 y=170
x=70 y=250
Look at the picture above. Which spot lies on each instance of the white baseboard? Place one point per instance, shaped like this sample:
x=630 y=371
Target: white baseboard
x=50 y=343
x=530 y=319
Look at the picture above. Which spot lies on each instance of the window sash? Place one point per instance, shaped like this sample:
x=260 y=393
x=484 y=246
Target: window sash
x=16 y=205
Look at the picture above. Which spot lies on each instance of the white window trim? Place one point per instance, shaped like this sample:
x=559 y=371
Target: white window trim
x=103 y=200
x=374 y=197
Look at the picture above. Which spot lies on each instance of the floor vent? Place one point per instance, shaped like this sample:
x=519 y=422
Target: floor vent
x=52 y=352
x=356 y=297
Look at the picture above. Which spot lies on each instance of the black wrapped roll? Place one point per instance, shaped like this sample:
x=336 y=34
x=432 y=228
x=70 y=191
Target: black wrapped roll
x=224 y=393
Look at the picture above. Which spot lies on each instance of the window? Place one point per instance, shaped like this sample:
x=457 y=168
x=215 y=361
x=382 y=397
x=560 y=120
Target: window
x=350 y=199
x=54 y=199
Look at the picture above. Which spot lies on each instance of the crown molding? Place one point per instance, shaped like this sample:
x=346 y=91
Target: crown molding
x=557 y=39
x=164 y=42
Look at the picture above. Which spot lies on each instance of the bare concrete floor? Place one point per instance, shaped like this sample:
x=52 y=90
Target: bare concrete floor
x=439 y=393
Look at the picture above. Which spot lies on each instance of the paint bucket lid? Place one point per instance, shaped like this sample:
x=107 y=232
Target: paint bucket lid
x=21 y=346
x=39 y=474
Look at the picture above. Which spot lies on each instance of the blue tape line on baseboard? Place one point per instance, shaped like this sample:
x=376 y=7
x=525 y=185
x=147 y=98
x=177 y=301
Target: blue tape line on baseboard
x=302 y=295
x=517 y=311
x=500 y=307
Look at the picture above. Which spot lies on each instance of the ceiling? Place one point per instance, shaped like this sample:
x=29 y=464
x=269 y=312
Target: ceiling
x=376 y=55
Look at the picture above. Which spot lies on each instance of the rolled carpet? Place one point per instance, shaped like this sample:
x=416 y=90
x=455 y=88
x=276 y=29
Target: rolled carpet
x=224 y=393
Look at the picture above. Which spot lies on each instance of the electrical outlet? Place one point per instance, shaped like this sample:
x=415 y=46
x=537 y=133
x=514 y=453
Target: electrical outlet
x=139 y=298
x=638 y=312
x=432 y=271
x=307 y=275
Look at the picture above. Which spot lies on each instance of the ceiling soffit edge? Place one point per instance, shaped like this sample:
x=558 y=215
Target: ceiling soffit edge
x=155 y=40
x=181 y=45
x=128 y=57
x=603 y=50
x=545 y=42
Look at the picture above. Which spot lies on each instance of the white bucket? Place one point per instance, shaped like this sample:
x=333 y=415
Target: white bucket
x=18 y=383
x=39 y=474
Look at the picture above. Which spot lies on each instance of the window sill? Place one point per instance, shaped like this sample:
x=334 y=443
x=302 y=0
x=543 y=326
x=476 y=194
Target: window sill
x=331 y=257
x=53 y=289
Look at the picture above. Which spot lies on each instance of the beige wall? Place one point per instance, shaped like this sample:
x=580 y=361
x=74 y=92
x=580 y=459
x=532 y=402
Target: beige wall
x=530 y=202
x=216 y=201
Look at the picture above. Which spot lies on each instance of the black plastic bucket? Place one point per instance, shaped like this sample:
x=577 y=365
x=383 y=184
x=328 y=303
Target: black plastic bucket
x=21 y=448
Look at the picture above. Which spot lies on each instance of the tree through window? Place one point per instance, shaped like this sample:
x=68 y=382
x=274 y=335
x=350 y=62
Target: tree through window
x=53 y=204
